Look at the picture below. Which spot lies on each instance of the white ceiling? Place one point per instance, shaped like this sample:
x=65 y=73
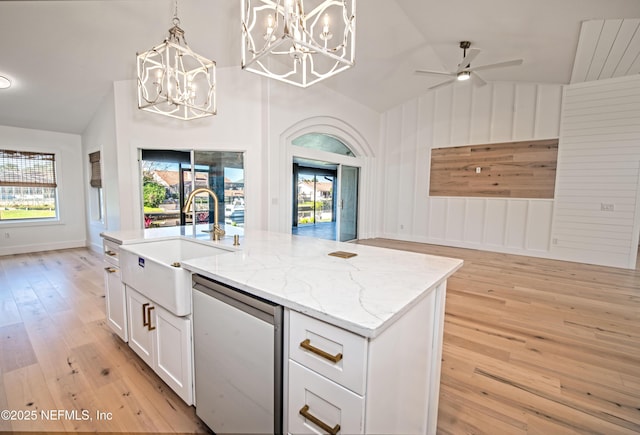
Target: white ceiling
x=64 y=55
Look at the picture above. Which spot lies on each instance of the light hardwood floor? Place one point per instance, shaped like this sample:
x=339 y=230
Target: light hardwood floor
x=535 y=346
x=531 y=346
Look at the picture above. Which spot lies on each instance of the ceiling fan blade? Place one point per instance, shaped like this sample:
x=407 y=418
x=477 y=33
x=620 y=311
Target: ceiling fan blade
x=477 y=80
x=497 y=65
x=422 y=71
x=471 y=55
x=442 y=84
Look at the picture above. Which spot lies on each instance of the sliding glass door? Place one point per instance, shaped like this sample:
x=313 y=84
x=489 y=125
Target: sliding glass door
x=348 y=223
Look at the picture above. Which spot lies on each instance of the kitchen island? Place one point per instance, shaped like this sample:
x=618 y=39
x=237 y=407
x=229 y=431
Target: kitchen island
x=381 y=310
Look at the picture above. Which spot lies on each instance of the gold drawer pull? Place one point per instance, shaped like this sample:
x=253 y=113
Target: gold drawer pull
x=321 y=424
x=110 y=253
x=306 y=344
x=110 y=269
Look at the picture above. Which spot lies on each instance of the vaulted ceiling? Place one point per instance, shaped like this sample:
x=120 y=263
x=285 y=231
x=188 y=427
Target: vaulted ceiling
x=64 y=55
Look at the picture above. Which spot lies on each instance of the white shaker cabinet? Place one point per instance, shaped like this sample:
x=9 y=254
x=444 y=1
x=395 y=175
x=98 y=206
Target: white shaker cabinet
x=114 y=291
x=340 y=382
x=163 y=341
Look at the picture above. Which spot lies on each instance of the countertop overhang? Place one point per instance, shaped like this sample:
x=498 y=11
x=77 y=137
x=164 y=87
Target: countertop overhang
x=363 y=294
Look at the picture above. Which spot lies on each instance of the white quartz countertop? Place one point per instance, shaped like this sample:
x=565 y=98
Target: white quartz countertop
x=363 y=294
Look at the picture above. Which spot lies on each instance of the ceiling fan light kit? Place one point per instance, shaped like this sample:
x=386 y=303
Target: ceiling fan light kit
x=463 y=75
x=465 y=71
x=298 y=42
x=5 y=83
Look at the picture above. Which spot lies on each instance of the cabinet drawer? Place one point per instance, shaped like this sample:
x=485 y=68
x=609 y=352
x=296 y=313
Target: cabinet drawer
x=317 y=405
x=331 y=351
x=111 y=252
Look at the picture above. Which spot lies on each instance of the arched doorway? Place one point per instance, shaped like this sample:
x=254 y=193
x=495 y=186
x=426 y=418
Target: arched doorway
x=333 y=145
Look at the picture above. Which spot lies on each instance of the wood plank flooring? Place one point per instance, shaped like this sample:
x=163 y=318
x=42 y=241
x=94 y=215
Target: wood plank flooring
x=57 y=353
x=535 y=346
x=531 y=346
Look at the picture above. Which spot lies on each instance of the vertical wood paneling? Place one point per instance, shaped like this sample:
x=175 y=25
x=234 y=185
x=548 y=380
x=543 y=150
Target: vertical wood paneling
x=549 y=103
x=517 y=220
x=502 y=112
x=474 y=220
x=408 y=145
x=442 y=120
x=422 y=157
x=438 y=218
x=461 y=111
x=481 y=114
x=456 y=216
x=525 y=112
x=392 y=167
x=595 y=217
x=469 y=115
x=495 y=222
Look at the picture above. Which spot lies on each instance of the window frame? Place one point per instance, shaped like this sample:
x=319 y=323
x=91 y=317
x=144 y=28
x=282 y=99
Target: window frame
x=52 y=182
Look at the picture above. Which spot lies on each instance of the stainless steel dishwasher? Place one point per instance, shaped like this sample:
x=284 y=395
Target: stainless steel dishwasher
x=237 y=342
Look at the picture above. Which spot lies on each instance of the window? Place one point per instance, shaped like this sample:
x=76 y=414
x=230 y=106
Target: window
x=95 y=197
x=323 y=142
x=27 y=185
x=168 y=176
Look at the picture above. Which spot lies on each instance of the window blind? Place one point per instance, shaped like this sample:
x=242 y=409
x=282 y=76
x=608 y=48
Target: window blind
x=27 y=169
x=96 y=174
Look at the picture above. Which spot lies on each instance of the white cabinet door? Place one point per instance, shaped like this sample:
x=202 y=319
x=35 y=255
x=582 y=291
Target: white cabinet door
x=116 y=301
x=318 y=405
x=141 y=332
x=173 y=352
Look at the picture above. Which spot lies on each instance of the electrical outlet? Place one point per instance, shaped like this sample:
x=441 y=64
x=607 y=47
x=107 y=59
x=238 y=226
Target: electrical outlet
x=606 y=207
x=554 y=241
x=478 y=170
x=402 y=226
x=7 y=235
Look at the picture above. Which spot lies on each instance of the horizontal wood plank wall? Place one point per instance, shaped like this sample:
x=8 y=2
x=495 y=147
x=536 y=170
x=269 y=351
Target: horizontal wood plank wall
x=524 y=169
x=452 y=116
x=597 y=195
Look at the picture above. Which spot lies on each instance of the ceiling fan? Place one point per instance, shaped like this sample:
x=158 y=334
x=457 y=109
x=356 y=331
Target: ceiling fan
x=465 y=71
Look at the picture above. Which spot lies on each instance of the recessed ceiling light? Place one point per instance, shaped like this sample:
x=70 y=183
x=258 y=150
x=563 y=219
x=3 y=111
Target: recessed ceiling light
x=4 y=82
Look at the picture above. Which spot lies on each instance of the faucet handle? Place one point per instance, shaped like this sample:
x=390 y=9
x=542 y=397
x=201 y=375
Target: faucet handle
x=217 y=232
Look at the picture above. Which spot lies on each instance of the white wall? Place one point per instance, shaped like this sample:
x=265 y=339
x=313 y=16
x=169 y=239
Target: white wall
x=457 y=115
x=253 y=113
x=289 y=109
x=100 y=135
x=70 y=230
x=599 y=166
x=236 y=127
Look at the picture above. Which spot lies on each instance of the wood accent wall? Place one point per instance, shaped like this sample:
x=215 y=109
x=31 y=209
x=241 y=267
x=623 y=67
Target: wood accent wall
x=524 y=169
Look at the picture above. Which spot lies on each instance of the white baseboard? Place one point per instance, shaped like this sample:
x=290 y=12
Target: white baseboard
x=26 y=249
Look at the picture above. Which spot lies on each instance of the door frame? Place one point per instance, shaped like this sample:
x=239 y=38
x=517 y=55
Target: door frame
x=362 y=159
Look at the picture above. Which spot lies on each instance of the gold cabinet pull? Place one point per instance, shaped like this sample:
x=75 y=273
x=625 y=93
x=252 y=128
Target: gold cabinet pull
x=149 y=327
x=146 y=316
x=110 y=253
x=110 y=269
x=306 y=344
x=145 y=322
x=304 y=411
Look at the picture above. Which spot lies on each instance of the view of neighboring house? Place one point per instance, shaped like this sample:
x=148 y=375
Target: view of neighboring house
x=167 y=212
